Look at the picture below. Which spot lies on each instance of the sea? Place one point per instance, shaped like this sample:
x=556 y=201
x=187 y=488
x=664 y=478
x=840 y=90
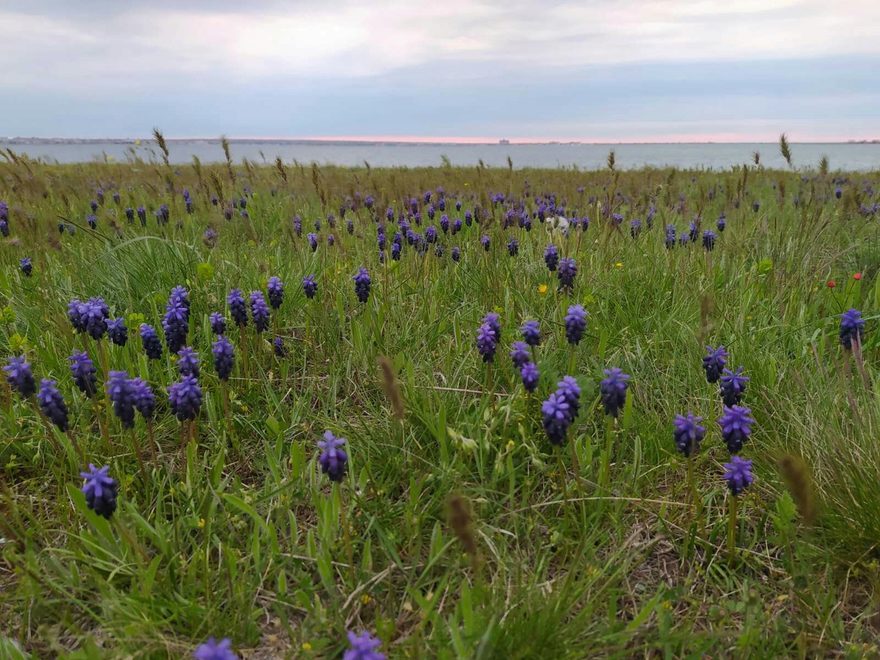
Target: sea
x=853 y=156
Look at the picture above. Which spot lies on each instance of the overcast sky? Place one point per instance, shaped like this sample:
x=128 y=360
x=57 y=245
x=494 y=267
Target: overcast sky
x=629 y=70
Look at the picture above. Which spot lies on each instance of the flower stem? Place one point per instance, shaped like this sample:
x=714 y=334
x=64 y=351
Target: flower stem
x=731 y=530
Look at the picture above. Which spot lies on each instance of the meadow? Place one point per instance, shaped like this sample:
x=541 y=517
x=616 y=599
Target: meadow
x=482 y=505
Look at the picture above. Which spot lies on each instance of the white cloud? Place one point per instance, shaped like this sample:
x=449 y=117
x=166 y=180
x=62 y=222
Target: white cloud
x=149 y=45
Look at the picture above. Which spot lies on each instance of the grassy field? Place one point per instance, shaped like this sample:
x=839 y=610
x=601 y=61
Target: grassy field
x=458 y=529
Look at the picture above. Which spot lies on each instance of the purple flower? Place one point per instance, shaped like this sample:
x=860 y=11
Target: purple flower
x=142 y=215
x=431 y=234
x=721 y=224
x=144 y=399
x=175 y=324
x=52 y=403
x=487 y=342
x=670 y=237
x=635 y=228
x=513 y=247
x=556 y=417
x=278 y=347
x=92 y=220
x=120 y=393
x=567 y=272
x=613 y=390
x=852 y=327
x=26 y=266
x=530 y=376
x=333 y=458
x=214 y=650
x=150 y=342
x=209 y=237
x=736 y=427
x=224 y=357
x=688 y=433
x=531 y=333
x=259 y=311
x=20 y=377
x=90 y=316
x=218 y=323
x=575 y=324
x=362 y=284
x=129 y=214
x=733 y=385
x=709 y=237
x=84 y=373
x=363 y=647
x=455 y=253
x=117 y=331
x=519 y=353
x=310 y=286
x=100 y=490
x=185 y=398
x=714 y=362
x=188 y=362
x=237 y=307
x=551 y=257
x=456 y=226
x=738 y=474
x=485 y=242
x=313 y=241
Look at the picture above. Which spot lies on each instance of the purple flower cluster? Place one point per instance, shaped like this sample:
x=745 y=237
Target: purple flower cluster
x=310 y=286
x=560 y=409
x=185 y=398
x=20 y=377
x=613 y=390
x=738 y=474
x=259 y=311
x=733 y=386
x=276 y=292
x=362 y=284
x=237 y=307
x=224 y=357
x=736 y=427
x=333 y=458
x=714 y=362
x=84 y=373
x=688 y=433
x=575 y=324
x=566 y=273
x=121 y=394
x=852 y=327
x=150 y=342
x=52 y=403
x=100 y=490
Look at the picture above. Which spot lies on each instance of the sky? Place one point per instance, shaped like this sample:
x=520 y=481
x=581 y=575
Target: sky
x=525 y=70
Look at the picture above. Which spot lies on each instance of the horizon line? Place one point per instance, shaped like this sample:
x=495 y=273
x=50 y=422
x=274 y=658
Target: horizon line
x=723 y=138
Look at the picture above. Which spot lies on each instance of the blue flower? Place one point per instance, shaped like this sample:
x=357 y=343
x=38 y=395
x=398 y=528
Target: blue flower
x=100 y=490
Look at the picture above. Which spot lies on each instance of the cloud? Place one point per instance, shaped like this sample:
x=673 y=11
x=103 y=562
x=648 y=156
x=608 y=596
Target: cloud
x=458 y=65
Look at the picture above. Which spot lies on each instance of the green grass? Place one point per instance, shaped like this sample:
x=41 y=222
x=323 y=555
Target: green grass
x=239 y=534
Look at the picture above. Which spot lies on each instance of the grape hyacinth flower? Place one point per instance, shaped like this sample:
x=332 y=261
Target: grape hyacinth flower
x=714 y=362
x=333 y=458
x=733 y=385
x=570 y=390
x=363 y=647
x=20 y=377
x=670 y=237
x=84 y=373
x=52 y=403
x=92 y=220
x=150 y=342
x=736 y=427
x=218 y=323
x=100 y=490
x=259 y=311
x=531 y=333
x=566 y=273
x=224 y=357
x=519 y=353
x=551 y=257
x=278 y=347
x=487 y=342
x=310 y=286
x=485 y=242
x=455 y=253
x=556 y=417
x=129 y=214
x=214 y=650
x=721 y=224
x=688 y=433
x=117 y=331
x=613 y=389
x=142 y=215
x=362 y=284
x=143 y=397
x=530 y=376
x=575 y=324
x=738 y=474
x=185 y=398
x=513 y=247
x=635 y=228
x=93 y=317
x=120 y=393
x=175 y=324
x=237 y=307
x=188 y=362
x=709 y=237
x=180 y=296
x=313 y=241
x=26 y=266
x=852 y=327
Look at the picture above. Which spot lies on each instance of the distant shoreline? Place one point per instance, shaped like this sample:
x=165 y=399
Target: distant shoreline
x=369 y=142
